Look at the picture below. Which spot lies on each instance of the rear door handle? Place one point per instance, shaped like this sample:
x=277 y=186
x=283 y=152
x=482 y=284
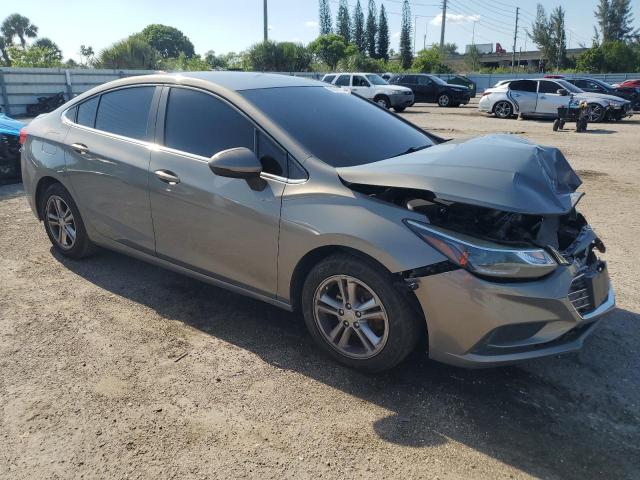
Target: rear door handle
x=167 y=176
x=80 y=148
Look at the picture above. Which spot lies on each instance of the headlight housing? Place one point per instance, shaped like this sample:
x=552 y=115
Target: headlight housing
x=485 y=258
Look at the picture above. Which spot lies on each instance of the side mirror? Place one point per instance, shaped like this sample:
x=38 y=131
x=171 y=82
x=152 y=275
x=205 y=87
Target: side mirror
x=563 y=92
x=241 y=163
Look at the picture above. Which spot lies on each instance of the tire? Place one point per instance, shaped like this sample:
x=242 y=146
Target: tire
x=393 y=321
x=595 y=113
x=503 y=109
x=444 y=100
x=382 y=101
x=556 y=125
x=57 y=199
x=399 y=109
x=455 y=105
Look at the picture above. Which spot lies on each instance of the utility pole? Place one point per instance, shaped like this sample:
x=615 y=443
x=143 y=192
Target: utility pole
x=473 y=35
x=266 y=36
x=424 y=42
x=515 y=39
x=560 y=50
x=444 y=21
x=415 y=32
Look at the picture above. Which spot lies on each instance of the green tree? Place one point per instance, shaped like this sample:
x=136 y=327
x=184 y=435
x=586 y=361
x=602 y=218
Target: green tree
x=428 y=60
x=278 y=57
x=343 y=21
x=472 y=58
x=184 y=64
x=54 y=52
x=358 y=62
x=541 y=32
x=16 y=25
x=610 y=57
x=383 y=35
x=358 y=34
x=615 y=20
x=371 y=29
x=87 y=55
x=450 y=49
x=35 y=56
x=214 y=61
x=558 y=38
x=131 y=53
x=168 y=41
x=4 y=53
x=406 y=54
x=325 y=18
x=330 y=49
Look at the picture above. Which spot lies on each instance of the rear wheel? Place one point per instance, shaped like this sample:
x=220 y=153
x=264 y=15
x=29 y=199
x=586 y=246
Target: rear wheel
x=63 y=223
x=503 y=109
x=355 y=314
x=399 y=109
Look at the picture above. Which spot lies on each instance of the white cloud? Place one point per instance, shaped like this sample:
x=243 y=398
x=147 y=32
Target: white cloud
x=310 y=24
x=455 y=19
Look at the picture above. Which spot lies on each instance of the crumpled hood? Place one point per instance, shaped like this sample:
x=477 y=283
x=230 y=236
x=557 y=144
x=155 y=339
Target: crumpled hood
x=503 y=172
x=604 y=96
x=9 y=126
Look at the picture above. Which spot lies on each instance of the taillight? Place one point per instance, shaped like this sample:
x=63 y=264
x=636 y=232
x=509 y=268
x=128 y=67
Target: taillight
x=23 y=135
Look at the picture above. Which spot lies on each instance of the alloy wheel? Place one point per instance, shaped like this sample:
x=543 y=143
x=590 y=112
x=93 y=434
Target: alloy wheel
x=594 y=113
x=351 y=317
x=382 y=102
x=444 y=100
x=59 y=218
x=502 y=110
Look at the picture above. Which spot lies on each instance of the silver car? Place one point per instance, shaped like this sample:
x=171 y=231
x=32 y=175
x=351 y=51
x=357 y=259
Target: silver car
x=540 y=98
x=298 y=193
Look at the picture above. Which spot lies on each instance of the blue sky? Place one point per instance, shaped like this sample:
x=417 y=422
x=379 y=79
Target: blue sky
x=233 y=25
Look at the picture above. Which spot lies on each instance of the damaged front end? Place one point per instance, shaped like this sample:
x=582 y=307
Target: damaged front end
x=521 y=260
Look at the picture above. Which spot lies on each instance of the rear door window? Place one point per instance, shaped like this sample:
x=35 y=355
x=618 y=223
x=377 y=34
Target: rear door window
x=328 y=78
x=87 y=112
x=524 y=86
x=546 y=86
x=422 y=80
x=360 y=81
x=125 y=112
x=204 y=125
x=342 y=80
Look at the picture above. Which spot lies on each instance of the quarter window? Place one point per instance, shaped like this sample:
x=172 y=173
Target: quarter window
x=201 y=124
x=125 y=112
x=328 y=78
x=87 y=112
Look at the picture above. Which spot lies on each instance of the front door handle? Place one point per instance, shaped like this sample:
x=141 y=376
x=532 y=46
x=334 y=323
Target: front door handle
x=80 y=148
x=167 y=176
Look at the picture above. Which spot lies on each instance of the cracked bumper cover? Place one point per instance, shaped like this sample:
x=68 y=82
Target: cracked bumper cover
x=462 y=312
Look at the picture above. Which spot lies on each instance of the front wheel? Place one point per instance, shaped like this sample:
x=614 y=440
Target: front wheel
x=444 y=100
x=399 y=109
x=595 y=113
x=357 y=315
x=382 y=101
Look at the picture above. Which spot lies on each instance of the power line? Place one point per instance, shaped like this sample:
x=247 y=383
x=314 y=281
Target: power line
x=483 y=22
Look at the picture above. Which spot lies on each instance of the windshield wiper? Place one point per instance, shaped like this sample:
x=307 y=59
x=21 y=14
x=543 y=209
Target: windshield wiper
x=411 y=150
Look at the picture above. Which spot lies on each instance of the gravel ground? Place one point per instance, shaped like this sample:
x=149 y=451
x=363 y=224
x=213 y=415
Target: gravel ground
x=112 y=368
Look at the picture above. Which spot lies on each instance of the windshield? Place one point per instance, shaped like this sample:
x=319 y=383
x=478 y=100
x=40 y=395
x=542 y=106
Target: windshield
x=569 y=86
x=377 y=80
x=438 y=80
x=340 y=129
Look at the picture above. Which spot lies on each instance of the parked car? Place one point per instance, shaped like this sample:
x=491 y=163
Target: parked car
x=593 y=85
x=313 y=199
x=432 y=89
x=373 y=87
x=465 y=82
x=9 y=149
x=629 y=83
x=540 y=98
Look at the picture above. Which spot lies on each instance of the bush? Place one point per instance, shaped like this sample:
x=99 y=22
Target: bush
x=610 y=57
x=361 y=63
x=278 y=57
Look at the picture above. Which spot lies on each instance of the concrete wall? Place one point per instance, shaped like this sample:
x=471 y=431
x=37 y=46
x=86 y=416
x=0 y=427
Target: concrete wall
x=22 y=86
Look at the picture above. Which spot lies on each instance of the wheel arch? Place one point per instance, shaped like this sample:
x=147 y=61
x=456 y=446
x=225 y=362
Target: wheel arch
x=43 y=183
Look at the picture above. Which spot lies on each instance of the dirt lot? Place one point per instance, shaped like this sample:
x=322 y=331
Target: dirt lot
x=94 y=382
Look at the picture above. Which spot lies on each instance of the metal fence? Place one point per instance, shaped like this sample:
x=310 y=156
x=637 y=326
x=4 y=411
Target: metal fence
x=20 y=87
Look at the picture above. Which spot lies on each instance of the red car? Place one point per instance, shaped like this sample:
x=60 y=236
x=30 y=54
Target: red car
x=631 y=83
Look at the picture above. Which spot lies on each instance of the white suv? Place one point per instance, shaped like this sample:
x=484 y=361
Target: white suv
x=373 y=87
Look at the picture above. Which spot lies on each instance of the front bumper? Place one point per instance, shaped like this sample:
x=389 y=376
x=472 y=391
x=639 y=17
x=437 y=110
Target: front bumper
x=402 y=100
x=465 y=314
x=619 y=113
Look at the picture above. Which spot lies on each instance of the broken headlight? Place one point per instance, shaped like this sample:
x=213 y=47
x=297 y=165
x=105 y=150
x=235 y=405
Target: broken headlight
x=485 y=258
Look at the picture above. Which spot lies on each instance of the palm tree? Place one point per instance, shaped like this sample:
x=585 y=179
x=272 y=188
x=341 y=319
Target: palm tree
x=131 y=53
x=20 y=26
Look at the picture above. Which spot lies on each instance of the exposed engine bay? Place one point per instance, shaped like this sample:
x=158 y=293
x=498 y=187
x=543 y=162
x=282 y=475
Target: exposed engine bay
x=568 y=234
